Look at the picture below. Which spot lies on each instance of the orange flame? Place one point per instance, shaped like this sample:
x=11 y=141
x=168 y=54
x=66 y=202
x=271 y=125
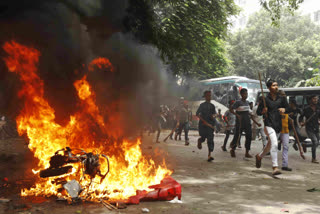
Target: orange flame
x=100 y=63
x=129 y=169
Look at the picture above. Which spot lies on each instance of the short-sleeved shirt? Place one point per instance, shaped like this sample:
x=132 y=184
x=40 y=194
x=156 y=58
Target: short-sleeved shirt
x=242 y=108
x=184 y=115
x=206 y=110
x=231 y=118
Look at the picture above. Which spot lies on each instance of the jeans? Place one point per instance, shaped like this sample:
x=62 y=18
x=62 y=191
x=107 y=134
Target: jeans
x=314 y=136
x=184 y=126
x=284 y=137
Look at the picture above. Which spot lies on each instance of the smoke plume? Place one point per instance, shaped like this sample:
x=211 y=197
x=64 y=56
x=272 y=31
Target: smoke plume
x=69 y=34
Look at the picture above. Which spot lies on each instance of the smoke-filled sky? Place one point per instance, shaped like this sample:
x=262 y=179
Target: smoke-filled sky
x=69 y=34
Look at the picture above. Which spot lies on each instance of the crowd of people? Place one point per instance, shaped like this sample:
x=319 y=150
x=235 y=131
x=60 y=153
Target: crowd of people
x=272 y=119
x=176 y=118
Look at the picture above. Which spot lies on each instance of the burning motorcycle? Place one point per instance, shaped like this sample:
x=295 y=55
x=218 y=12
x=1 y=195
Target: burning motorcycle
x=60 y=160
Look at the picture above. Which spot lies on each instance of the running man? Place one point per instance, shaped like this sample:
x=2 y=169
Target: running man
x=275 y=106
x=206 y=113
x=243 y=123
x=312 y=114
x=230 y=120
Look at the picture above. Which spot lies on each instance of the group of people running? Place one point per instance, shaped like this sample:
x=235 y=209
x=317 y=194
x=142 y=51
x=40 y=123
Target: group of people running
x=176 y=118
x=272 y=118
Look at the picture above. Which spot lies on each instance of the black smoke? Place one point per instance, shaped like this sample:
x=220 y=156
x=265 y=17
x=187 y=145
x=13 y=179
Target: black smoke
x=69 y=34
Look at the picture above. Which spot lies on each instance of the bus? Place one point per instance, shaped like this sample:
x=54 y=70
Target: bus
x=228 y=88
x=223 y=90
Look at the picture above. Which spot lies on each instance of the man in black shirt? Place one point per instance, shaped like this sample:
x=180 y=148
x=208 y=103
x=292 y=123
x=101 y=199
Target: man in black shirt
x=275 y=106
x=294 y=116
x=243 y=113
x=312 y=114
x=206 y=113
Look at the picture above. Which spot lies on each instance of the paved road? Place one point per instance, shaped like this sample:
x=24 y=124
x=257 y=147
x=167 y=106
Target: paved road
x=234 y=185
x=227 y=185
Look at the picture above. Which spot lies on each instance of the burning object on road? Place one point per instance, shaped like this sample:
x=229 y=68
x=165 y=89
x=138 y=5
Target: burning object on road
x=167 y=190
x=96 y=129
x=90 y=163
x=73 y=188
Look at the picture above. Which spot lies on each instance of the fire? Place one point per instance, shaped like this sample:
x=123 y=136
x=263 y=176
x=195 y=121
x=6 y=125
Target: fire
x=129 y=169
x=101 y=63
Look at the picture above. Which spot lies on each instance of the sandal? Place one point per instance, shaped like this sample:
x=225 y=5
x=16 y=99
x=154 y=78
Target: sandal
x=223 y=148
x=232 y=152
x=210 y=159
x=304 y=147
x=199 y=144
x=247 y=155
x=258 y=161
x=276 y=171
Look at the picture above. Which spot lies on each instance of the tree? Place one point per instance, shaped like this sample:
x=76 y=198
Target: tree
x=284 y=53
x=189 y=34
x=277 y=7
x=315 y=79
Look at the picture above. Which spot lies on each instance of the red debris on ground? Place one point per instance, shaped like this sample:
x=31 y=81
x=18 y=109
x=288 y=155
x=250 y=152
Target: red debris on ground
x=167 y=190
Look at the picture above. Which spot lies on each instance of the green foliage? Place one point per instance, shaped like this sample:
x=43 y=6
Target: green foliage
x=284 y=53
x=276 y=8
x=189 y=33
x=315 y=80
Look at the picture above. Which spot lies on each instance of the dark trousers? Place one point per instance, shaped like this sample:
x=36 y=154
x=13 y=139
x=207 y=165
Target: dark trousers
x=184 y=126
x=228 y=132
x=314 y=136
x=246 y=127
x=158 y=131
x=207 y=133
x=174 y=124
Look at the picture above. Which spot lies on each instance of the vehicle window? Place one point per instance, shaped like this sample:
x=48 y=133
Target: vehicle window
x=299 y=100
x=254 y=85
x=305 y=101
x=242 y=84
